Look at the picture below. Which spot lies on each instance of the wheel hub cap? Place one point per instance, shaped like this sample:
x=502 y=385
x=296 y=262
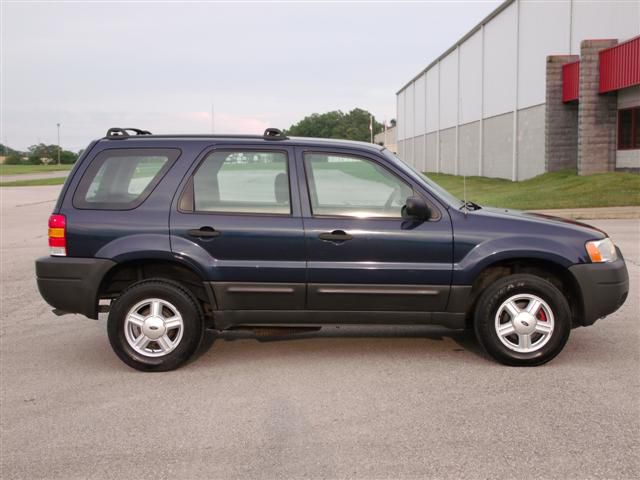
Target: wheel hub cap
x=153 y=327
x=524 y=323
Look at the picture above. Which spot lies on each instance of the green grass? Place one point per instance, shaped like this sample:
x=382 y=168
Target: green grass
x=33 y=183
x=550 y=190
x=23 y=169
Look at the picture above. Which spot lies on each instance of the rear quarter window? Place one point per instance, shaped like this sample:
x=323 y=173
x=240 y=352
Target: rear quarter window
x=121 y=179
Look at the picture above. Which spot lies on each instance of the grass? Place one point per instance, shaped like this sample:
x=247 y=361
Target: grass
x=33 y=183
x=550 y=190
x=24 y=169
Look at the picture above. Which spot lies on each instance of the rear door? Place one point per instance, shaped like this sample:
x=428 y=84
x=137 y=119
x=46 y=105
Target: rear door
x=238 y=219
x=362 y=254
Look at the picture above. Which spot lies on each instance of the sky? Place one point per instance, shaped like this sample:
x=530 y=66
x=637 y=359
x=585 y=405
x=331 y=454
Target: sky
x=161 y=66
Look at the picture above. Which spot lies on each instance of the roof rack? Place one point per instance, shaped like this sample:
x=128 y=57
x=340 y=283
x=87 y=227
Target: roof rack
x=274 y=134
x=117 y=133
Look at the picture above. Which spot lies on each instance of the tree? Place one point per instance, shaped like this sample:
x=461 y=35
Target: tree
x=38 y=152
x=8 y=151
x=392 y=122
x=353 y=125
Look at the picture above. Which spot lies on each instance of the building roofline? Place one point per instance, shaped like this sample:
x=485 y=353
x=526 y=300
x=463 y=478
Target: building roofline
x=484 y=21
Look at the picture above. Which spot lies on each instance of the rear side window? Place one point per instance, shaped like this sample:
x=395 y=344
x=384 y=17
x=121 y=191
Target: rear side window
x=121 y=179
x=242 y=182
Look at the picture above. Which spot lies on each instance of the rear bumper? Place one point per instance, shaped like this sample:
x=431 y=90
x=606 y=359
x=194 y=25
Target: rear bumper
x=71 y=284
x=604 y=288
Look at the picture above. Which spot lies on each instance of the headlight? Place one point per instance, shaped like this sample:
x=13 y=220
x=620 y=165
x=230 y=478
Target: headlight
x=601 y=250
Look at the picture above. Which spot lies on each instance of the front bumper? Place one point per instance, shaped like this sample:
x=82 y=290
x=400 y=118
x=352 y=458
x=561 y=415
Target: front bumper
x=604 y=288
x=72 y=284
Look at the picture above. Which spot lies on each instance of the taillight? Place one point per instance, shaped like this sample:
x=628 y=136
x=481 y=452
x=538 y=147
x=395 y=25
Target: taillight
x=58 y=235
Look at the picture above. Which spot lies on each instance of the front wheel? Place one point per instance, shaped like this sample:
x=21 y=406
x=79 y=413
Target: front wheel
x=522 y=320
x=155 y=325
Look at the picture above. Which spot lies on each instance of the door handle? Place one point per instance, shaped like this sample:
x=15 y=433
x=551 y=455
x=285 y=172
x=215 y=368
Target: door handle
x=204 y=232
x=336 y=236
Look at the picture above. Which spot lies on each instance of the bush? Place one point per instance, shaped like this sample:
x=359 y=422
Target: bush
x=13 y=159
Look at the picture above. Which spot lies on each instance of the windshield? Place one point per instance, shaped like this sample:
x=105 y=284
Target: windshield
x=433 y=186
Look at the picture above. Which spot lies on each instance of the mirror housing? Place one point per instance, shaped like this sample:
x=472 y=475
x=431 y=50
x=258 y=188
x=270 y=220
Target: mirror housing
x=417 y=208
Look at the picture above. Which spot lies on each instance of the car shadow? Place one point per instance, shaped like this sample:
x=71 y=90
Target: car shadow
x=463 y=340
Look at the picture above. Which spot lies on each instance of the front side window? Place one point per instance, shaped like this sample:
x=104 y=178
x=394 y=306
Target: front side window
x=243 y=182
x=121 y=179
x=629 y=129
x=342 y=185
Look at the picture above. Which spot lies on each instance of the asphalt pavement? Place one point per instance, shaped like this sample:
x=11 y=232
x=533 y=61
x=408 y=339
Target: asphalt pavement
x=362 y=403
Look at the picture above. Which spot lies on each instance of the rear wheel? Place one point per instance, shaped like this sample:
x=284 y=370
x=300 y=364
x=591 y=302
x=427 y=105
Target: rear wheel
x=155 y=325
x=522 y=320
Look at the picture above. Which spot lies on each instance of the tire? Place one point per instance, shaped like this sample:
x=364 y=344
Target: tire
x=522 y=320
x=155 y=325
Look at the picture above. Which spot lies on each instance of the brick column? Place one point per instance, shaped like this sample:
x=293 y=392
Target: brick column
x=596 y=114
x=561 y=120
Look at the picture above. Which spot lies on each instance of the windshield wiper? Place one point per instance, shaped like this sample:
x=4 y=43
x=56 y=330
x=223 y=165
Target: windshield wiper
x=469 y=205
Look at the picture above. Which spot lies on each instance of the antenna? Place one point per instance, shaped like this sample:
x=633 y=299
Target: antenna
x=464 y=192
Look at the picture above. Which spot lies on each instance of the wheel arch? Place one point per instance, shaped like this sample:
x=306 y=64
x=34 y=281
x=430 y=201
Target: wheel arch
x=126 y=273
x=555 y=273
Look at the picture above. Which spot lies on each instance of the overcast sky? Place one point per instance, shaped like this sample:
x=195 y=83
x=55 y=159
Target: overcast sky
x=160 y=66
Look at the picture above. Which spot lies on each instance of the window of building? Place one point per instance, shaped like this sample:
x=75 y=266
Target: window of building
x=629 y=129
x=341 y=185
x=243 y=182
x=121 y=179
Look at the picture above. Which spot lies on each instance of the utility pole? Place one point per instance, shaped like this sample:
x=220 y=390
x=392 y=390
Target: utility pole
x=58 y=124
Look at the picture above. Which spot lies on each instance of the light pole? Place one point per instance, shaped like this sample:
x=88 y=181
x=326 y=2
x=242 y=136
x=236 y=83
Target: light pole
x=58 y=124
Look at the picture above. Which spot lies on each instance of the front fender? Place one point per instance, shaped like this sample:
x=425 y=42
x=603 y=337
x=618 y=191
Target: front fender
x=512 y=247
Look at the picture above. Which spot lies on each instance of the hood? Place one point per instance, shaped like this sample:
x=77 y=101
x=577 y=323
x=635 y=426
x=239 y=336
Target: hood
x=541 y=219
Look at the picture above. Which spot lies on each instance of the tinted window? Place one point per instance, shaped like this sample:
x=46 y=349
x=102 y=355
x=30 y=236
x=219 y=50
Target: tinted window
x=122 y=179
x=625 y=129
x=353 y=186
x=629 y=128
x=242 y=182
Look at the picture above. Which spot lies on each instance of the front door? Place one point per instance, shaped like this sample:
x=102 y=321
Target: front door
x=362 y=255
x=237 y=218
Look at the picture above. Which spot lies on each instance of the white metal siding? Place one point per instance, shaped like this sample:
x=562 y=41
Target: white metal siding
x=449 y=90
x=500 y=63
x=400 y=122
x=408 y=112
x=470 y=74
x=543 y=31
x=605 y=19
x=432 y=99
x=419 y=106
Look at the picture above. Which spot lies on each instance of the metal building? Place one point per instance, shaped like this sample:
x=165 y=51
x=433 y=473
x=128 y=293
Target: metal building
x=493 y=103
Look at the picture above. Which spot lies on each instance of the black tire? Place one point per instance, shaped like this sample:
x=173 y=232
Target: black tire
x=186 y=305
x=493 y=297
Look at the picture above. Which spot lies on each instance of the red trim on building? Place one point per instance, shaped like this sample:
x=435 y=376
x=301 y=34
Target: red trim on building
x=620 y=66
x=570 y=81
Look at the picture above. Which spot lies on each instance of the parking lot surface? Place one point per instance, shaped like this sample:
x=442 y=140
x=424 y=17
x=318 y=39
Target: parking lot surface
x=343 y=403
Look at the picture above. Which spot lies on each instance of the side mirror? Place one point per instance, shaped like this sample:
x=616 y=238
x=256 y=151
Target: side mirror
x=417 y=208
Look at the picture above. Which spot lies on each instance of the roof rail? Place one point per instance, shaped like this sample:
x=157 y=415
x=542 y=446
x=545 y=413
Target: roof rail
x=274 y=134
x=118 y=133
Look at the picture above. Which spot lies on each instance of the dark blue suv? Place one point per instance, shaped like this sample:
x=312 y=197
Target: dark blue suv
x=174 y=234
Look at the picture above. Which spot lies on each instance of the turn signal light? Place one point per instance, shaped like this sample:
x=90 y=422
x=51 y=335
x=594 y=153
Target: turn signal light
x=601 y=251
x=58 y=236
